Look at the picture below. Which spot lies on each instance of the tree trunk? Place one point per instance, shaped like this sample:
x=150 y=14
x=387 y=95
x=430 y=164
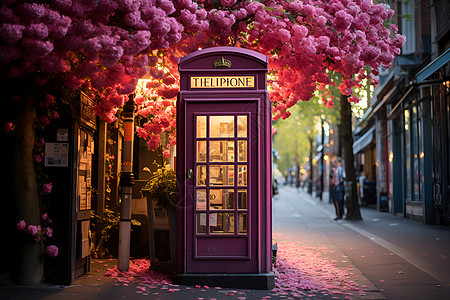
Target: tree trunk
x=28 y=268
x=352 y=204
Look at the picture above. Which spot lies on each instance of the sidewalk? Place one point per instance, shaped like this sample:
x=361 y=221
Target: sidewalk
x=96 y=286
x=405 y=259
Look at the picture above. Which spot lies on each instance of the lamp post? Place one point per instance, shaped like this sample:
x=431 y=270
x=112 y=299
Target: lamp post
x=322 y=164
x=126 y=183
x=310 y=181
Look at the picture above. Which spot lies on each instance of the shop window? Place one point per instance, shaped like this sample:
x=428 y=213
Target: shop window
x=407 y=131
x=415 y=154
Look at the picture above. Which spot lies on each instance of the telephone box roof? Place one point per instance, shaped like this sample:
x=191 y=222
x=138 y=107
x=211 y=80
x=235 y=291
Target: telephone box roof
x=199 y=59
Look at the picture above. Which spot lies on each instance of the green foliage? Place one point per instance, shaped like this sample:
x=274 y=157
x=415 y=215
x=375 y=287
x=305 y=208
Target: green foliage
x=291 y=138
x=110 y=224
x=162 y=186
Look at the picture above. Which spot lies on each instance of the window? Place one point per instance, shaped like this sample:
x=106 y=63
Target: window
x=408 y=27
x=221 y=166
x=408 y=153
x=414 y=156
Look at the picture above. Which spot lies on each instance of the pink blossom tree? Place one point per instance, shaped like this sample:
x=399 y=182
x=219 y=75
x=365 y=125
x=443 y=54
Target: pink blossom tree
x=104 y=46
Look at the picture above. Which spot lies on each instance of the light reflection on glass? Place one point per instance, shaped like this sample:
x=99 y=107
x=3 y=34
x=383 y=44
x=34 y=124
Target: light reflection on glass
x=242 y=126
x=221 y=126
x=221 y=199
x=201 y=126
x=242 y=223
x=242 y=151
x=201 y=151
x=221 y=151
x=221 y=223
x=201 y=223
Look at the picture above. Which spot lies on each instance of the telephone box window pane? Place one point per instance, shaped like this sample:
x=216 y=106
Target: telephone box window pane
x=221 y=223
x=242 y=151
x=242 y=126
x=242 y=199
x=242 y=175
x=242 y=223
x=221 y=126
x=221 y=199
x=201 y=151
x=201 y=175
x=201 y=223
x=221 y=175
x=201 y=199
x=201 y=126
x=221 y=151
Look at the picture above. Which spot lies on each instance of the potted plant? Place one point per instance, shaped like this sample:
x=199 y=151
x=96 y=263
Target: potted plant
x=160 y=190
x=161 y=186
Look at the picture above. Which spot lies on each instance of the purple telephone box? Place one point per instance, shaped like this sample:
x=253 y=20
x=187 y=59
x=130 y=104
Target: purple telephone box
x=224 y=214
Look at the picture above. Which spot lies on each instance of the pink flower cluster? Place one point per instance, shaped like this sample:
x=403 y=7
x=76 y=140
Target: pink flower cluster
x=47 y=111
x=91 y=45
x=139 y=272
x=305 y=40
x=47 y=101
x=39 y=150
x=159 y=111
x=88 y=44
x=9 y=126
x=39 y=142
x=38 y=233
x=46 y=189
x=51 y=250
x=310 y=37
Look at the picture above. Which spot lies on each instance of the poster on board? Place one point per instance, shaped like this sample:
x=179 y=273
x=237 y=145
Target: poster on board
x=57 y=154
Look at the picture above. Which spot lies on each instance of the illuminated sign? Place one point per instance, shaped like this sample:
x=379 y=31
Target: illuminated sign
x=207 y=82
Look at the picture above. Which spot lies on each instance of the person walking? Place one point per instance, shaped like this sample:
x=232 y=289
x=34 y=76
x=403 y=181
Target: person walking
x=338 y=188
x=332 y=187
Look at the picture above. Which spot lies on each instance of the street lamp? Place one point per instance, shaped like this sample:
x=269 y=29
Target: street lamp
x=126 y=183
x=310 y=180
x=322 y=163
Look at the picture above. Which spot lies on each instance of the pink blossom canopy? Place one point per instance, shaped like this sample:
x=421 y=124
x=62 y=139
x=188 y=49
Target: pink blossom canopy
x=105 y=46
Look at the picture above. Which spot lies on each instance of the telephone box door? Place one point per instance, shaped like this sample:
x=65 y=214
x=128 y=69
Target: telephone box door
x=221 y=203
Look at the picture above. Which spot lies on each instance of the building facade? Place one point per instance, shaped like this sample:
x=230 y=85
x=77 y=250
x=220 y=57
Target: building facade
x=409 y=116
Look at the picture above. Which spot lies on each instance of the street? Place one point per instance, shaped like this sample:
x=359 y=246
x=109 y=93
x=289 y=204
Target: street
x=382 y=257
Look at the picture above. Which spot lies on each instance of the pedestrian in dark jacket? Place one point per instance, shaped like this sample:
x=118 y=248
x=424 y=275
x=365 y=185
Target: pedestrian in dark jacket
x=332 y=187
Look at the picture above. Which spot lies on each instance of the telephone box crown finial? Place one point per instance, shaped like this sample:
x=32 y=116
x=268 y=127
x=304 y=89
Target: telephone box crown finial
x=222 y=64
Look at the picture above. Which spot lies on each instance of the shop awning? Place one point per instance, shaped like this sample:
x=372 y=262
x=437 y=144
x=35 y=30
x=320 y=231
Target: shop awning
x=363 y=141
x=393 y=111
x=382 y=102
x=433 y=66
